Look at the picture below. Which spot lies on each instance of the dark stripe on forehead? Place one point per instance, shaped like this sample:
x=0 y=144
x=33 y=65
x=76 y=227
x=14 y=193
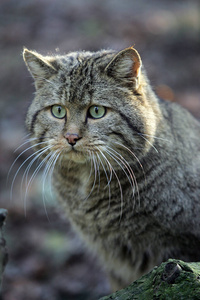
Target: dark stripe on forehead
x=82 y=76
x=84 y=67
x=80 y=87
x=80 y=91
x=76 y=89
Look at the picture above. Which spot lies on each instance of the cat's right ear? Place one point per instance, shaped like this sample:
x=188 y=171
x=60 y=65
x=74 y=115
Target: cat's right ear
x=40 y=67
x=125 y=67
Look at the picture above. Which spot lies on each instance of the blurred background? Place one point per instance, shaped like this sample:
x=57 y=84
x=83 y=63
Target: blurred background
x=47 y=260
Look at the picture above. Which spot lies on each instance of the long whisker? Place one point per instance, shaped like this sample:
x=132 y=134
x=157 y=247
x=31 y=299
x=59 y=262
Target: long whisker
x=45 y=149
x=32 y=146
x=25 y=137
x=140 y=134
x=108 y=167
x=131 y=152
x=155 y=137
x=123 y=163
x=14 y=178
x=108 y=180
x=33 y=176
x=51 y=171
x=118 y=181
x=51 y=162
x=98 y=173
x=132 y=179
x=95 y=176
x=26 y=142
x=90 y=167
x=135 y=157
x=45 y=174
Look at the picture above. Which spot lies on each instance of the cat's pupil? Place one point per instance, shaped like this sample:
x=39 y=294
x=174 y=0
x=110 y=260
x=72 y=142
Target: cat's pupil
x=96 y=110
x=59 y=109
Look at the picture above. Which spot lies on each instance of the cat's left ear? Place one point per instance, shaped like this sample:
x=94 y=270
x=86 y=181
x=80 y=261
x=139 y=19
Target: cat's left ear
x=40 y=67
x=126 y=67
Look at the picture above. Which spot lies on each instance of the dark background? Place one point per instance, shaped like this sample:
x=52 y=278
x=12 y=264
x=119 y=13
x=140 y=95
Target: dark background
x=47 y=261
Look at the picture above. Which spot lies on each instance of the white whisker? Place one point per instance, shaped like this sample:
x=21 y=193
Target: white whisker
x=47 y=168
x=108 y=180
x=26 y=142
x=130 y=176
x=33 y=176
x=117 y=157
x=118 y=181
x=14 y=178
x=35 y=145
x=52 y=169
x=98 y=173
x=95 y=176
x=148 y=142
x=25 y=137
x=155 y=137
x=90 y=168
x=135 y=157
x=131 y=152
x=45 y=149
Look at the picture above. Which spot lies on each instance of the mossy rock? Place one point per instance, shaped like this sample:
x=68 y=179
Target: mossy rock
x=173 y=279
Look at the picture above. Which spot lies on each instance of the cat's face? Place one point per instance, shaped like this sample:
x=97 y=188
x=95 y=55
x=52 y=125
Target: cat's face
x=89 y=105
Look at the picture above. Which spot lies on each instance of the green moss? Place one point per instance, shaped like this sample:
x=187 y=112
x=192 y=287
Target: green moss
x=173 y=279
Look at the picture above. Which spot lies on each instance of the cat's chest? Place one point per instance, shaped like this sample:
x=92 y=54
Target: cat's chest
x=75 y=184
x=88 y=196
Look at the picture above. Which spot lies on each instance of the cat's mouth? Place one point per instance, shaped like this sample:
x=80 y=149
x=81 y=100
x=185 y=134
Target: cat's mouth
x=75 y=155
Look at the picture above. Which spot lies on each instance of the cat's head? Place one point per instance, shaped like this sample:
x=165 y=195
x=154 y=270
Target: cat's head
x=90 y=104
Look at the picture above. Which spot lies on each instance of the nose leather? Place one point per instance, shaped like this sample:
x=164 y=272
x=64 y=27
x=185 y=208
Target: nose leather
x=72 y=138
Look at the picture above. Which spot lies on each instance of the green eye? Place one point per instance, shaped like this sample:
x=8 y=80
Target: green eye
x=97 y=112
x=58 y=111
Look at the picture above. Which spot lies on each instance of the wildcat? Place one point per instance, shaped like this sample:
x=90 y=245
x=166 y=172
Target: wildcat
x=125 y=164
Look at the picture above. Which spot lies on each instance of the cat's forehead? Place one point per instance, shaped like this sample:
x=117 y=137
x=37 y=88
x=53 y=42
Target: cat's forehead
x=83 y=59
x=80 y=74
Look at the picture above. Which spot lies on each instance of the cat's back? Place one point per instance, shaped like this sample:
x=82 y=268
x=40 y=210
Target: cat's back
x=178 y=162
x=182 y=125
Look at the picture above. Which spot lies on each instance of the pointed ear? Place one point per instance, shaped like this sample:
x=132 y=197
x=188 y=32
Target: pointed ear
x=125 y=67
x=40 y=67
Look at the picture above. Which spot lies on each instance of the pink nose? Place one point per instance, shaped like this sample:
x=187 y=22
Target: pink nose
x=72 y=138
